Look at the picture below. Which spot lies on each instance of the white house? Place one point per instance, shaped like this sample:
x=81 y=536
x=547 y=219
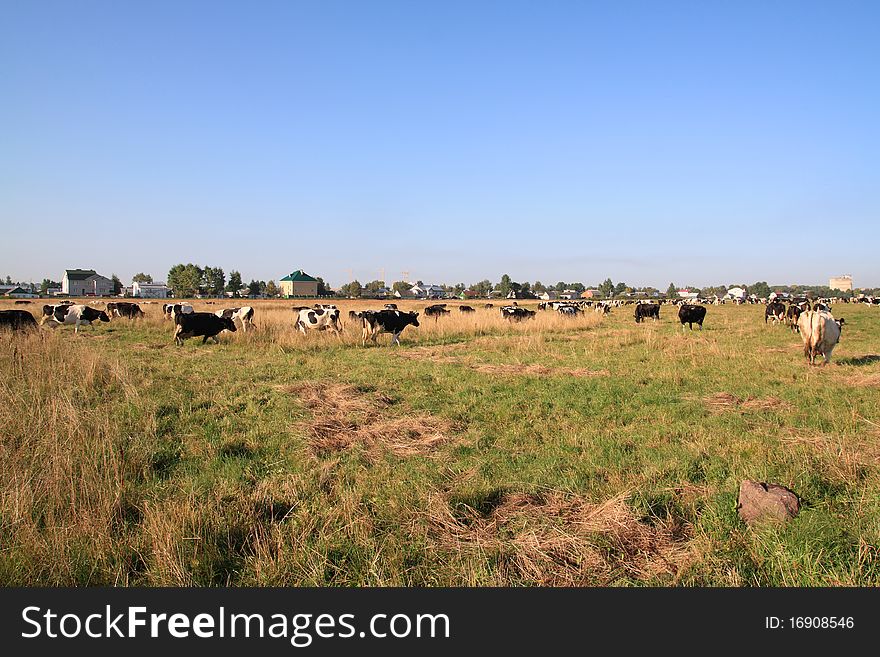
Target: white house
x=149 y=290
x=427 y=291
x=736 y=293
x=549 y=295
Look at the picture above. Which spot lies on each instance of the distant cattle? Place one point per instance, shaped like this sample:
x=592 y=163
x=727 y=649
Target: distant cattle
x=172 y=310
x=17 y=320
x=245 y=315
x=489 y=305
x=690 y=314
x=206 y=325
x=319 y=319
x=516 y=314
x=775 y=311
x=21 y=302
x=78 y=314
x=646 y=310
x=124 y=309
x=386 y=321
x=820 y=333
x=466 y=309
x=568 y=311
x=436 y=311
x=792 y=315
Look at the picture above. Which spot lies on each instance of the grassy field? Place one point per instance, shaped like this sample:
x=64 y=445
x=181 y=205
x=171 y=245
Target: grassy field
x=588 y=451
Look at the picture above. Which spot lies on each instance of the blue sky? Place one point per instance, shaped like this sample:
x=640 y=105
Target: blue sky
x=694 y=142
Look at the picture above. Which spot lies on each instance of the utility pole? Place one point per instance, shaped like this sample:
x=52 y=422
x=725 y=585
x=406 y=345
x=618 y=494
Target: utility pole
x=405 y=276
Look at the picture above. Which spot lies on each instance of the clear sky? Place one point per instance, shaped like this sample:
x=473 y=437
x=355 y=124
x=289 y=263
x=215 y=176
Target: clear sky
x=695 y=142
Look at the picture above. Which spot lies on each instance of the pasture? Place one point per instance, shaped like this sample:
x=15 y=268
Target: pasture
x=555 y=451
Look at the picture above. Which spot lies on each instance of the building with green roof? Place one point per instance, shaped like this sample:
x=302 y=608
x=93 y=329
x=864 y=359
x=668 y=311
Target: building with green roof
x=299 y=284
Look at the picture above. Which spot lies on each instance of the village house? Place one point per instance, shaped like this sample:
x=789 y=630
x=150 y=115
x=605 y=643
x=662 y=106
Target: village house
x=150 y=290
x=85 y=283
x=299 y=284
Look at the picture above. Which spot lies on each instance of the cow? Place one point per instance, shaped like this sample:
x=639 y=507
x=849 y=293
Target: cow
x=792 y=316
x=245 y=315
x=489 y=305
x=17 y=320
x=318 y=319
x=690 y=314
x=436 y=311
x=207 y=325
x=775 y=311
x=124 y=309
x=466 y=309
x=602 y=308
x=73 y=314
x=820 y=333
x=568 y=311
x=646 y=310
x=375 y=322
x=21 y=302
x=172 y=310
x=516 y=314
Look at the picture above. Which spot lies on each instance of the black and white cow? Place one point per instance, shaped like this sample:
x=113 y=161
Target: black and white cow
x=568 y=311
x=646 y=310
x=245 y=315
x=172 y=310
x=690 y=314
x=206 y=325
x=375 y=322
x=17 y=320
x=319 y=319
x=775 y=311
x=73 y=314
x=124 y=309
x=516 y=314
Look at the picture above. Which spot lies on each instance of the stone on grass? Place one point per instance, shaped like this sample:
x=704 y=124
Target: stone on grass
x=760 y=501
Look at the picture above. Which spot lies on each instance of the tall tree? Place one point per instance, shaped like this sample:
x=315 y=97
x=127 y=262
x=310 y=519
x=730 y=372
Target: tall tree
x=235 y=283
x=352 y=289
x=271 y=289
x=254 y=288
x=505 y=286
x=46 y=284
x=117 y=284
x=185 y=280
x=606 y=288
x=761 y=289
x=374 y=286
x=214 y=280
x=672 y=291
x=400 y=286
x=141 y=277
x=323 y=290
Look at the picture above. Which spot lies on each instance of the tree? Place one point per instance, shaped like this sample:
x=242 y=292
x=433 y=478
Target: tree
x=620 y=288
x=235 y=283
x=323 y=290
x=761 y=289
x=271 y=289
x=538 y=288
x=254 y=288
x=672 y=291
x=374 y=286
x=8 y=280
x=185 y=280
x=352 y=289
x=46 y=284
x=141 y=277
x=560 y=286
x=117 y=284
x=577 y=287
x=214 y=280
x=400 y=286
x=505 y=286
x=483 y=288
x=606 y=288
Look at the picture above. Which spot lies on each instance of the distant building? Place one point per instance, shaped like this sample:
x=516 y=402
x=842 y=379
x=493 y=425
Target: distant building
x=85 y=283
x=590 y=294
x=842 y=283
x=150 y=290
x=17 y=292
x=549 y=295
x=685 y=293
x=299 y=284
x=427 y=291
x=736 y=293
x=53 y=291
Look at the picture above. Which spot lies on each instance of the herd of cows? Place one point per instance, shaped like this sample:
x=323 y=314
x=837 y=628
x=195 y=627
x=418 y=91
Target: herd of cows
x=813 y=320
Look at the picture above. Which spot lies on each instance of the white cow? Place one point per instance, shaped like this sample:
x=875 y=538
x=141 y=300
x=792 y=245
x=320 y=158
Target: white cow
x=245 y=315
x=820 y=333
x=318 y=319
x=74 y=314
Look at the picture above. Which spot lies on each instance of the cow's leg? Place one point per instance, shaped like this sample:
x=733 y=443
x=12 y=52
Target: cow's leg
x=395 y=339
x=204 y=339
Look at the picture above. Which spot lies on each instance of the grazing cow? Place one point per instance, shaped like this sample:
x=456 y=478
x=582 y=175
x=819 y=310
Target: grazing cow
x=776 y=311
x=245 y=315
x=490 y=305
x=516 y=314
x=17 y=320
x=602 y=308
x=820 y=333
x=375 y=322
x=124 y=309
x=792 y=316
x=73 y=314
x=466 y=309
x=646 y=310
x=172 y=310
x=436 y=310
x=318 y=319
x=690 y=315
x=207 y=325
x=568 y=311
x=21 y=302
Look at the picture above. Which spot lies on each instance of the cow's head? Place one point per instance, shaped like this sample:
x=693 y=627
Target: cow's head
x=228 y=324
x=103 y=316
x=414 y=318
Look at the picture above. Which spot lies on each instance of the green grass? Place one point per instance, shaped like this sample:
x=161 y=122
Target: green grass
x=126 y=460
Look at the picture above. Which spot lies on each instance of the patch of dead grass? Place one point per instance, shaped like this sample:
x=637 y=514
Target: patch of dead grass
x=864 y=380
x=554 y=539
x=343 y=415
x=724 y=401
x=509 y=369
